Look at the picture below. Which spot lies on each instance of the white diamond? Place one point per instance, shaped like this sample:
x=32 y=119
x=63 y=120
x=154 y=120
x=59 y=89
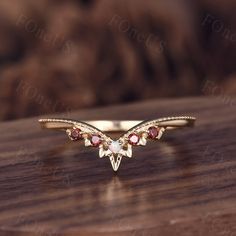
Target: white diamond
x=115 y=147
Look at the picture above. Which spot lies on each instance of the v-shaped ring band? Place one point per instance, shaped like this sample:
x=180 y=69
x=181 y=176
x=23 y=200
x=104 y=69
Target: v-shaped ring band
x=136 y=133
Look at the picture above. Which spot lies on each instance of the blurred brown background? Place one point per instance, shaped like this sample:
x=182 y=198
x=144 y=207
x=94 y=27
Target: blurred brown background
x=64 y=55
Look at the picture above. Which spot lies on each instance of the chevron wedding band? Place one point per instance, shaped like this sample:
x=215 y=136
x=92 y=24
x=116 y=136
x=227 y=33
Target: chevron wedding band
x=94 y=133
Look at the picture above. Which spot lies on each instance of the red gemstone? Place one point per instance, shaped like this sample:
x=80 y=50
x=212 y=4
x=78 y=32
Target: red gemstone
x=153 y=132
x=75 y=134
x=133 y=139
x=96 y=140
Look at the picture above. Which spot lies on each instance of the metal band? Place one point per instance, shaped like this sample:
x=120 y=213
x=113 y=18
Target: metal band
x=118 y=125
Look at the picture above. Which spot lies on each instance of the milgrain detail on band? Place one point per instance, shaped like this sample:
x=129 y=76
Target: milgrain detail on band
x=137 y=133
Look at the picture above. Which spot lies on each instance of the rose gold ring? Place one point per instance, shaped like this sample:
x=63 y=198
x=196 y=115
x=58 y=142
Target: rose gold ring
x=136 y=133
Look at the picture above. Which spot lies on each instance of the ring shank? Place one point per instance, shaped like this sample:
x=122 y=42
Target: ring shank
x=117 y=125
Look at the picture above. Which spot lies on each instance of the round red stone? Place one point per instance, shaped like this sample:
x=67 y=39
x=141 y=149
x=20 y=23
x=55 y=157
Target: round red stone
x=133 y=139
x=96 y=140
x=75 y=134
x=153 y=132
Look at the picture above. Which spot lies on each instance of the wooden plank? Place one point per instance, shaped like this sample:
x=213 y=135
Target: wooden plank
x=183 y=185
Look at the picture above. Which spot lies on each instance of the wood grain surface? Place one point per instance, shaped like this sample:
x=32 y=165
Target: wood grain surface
x=183 y=185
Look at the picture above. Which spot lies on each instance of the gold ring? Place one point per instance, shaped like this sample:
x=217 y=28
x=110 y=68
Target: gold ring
x=136 y=133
